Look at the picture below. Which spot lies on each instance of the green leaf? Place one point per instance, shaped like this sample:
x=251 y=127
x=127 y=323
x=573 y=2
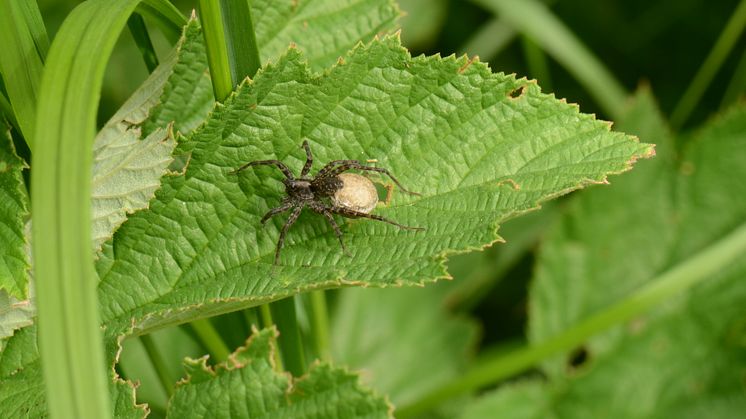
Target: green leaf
x=402 y=339
x=14 y=263
x=666 y=210
x=448 y=128
x=126 y=167
x=186 y=97
x=22 y=390
x=14 y=314
x=248 y=385
x=323 y=30
x=523 y=400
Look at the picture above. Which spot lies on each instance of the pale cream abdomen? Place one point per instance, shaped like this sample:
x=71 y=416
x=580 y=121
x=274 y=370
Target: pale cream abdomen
x=358 y=193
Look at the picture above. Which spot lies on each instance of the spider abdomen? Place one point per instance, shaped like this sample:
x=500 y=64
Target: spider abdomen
x=357 y=193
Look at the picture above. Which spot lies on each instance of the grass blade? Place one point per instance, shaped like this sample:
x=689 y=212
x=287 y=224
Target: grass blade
x=681 y=277
x=536 y=21
x=139 y=32
x=20 y=62
x=243 y=52
x=217 y=48
x=69 y=328
x=710 y=67
x=165 y=15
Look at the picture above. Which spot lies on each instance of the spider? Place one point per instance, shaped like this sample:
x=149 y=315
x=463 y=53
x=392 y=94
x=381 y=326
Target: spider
x=331 y=192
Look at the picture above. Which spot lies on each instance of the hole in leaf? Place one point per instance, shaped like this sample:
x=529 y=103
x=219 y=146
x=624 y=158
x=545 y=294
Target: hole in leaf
x=516 y=93
x=578 y=357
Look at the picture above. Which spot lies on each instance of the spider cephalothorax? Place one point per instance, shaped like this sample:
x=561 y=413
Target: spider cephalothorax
x=330 y=192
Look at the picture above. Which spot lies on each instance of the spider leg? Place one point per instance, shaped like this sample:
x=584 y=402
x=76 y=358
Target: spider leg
x=321 y=209
x=357 y=166
x=309 y=159
x=286 y=205
x=332 y=164
x=281 y=241
x=346 y=212
x=280 y=165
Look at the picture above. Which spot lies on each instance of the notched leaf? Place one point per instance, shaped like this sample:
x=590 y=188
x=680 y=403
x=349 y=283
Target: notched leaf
x=248 y=381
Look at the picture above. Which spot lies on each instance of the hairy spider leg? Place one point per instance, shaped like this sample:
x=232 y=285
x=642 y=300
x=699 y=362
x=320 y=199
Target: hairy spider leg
x=357 y=166
x=309 y=160
x=321 y=209
x=281 y=241
x=331 y=165
x=286 y=205
x=280 y=165
x=346 y=212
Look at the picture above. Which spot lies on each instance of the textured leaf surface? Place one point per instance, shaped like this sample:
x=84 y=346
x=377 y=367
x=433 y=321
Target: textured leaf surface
x=13 y=211
x=447 y=128
x=127 y=168
x=685 y=359
x=248 y=386
x=14 y=314
x=22 y=392
x=402 y=340
x=323 y=30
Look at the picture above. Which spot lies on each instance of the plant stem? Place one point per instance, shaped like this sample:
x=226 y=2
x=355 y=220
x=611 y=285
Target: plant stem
x=538 y=66
x=217 y=48
x=159 y=364
x=291 y=347
x=211 y=339
x=320 y=324
x=683 y=276
x=737 y=85
x=490 y=39
x=710 y=67
x=139 y=32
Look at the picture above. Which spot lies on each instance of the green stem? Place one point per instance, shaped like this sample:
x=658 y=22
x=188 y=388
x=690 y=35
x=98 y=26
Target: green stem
x=291 y=347
x=683 y=276
x=538 y=67
x=7 y=111
x=210 y=338
x=737 y=85
x=710 y=67
x=320 y=324
x=217 y=48
x=490 y=39
x=159 y=364
x=139 y=32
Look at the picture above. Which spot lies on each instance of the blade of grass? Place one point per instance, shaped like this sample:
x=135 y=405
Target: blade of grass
x=165 y=16
x=242 y=49
x=737 y=85
x=210 y=339
x=291 y=348
x=534 y=19
x=20 y=63
x=681 y=277
x=139 y=32
x=538 y=67
x=320 y=324
x=7 y=111
x=167 y=382
x=70 y=343
x=490 y=39
x=217 y=48
x=36 y=27
x=710 y=67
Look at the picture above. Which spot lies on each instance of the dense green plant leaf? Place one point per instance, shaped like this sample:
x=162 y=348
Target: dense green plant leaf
x=14 y=314
x=402 y=339
x=14 y=263
x=610 y=243
x=127 y=167
x=524 y=400
x=248 y=385
x=22 y=388
x=448 y=128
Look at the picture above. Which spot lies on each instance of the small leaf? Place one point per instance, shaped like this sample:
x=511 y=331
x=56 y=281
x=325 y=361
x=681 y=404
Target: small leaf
x=248 y=386
x=14 y=264
x=447 y=128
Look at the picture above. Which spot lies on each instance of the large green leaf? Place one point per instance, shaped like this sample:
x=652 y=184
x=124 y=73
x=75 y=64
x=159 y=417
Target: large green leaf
x=684 y=359
x=402 y=340
x=480 y=147
x=14 y=263
x=249 y=385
